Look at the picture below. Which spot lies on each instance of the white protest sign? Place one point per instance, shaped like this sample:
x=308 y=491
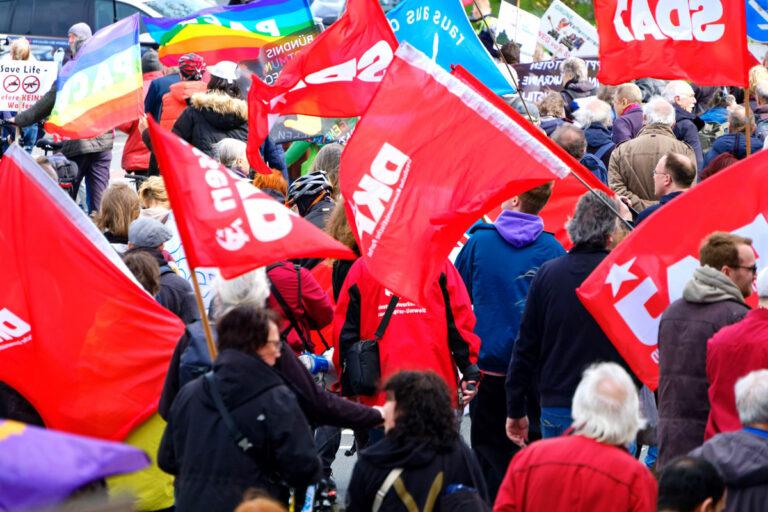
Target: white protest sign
x=23 y=82
x=519 y=26
x=564 y=33
x=205 y=276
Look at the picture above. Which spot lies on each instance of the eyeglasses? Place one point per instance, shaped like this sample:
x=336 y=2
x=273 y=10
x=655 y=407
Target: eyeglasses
x=660 y=173
x=275 y=343
x=752 y=269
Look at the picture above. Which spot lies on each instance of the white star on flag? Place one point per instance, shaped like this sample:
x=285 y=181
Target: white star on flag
x=618 y=274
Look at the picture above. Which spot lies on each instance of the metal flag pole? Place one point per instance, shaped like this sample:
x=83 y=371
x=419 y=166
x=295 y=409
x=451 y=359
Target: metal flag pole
x=204 y=316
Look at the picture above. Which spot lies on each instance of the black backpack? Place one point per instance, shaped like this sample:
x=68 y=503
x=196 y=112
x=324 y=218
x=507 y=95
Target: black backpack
x=195 y=360
x=66 y=170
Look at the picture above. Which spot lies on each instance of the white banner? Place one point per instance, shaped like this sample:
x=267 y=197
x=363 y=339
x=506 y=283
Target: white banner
x=519 y=26
x=564 y=33
x=23 y=82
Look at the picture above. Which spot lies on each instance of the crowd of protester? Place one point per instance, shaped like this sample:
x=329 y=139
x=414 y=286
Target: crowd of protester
x=558 y=420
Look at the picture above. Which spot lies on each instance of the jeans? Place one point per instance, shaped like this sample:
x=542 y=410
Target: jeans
x=94 y=167
x=327 y=440
x=555 y=421
x=28 y=137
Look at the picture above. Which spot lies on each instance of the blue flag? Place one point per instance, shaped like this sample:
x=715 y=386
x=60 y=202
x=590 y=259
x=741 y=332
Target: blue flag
x=757 y=20
x=440 y=29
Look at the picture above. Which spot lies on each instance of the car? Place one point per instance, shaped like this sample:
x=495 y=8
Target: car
x=45 y=22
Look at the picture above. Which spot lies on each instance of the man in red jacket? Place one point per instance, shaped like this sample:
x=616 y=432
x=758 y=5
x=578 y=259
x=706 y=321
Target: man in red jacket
x=588 y=468
x=733 y=352
x=437 y=335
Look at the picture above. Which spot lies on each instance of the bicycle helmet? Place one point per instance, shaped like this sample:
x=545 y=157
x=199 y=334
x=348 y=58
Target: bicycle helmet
x=308 y=187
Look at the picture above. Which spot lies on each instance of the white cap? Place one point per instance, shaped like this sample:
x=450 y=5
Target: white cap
x=762 y=283
x=226 y=70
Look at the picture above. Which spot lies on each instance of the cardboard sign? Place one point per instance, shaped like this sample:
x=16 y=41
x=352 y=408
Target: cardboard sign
x=536 y=78
x=564 y=33
x=519 y=26
x=23 y=82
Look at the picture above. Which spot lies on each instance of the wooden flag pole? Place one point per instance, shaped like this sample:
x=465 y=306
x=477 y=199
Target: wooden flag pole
x=748 y=127
x=204 y=316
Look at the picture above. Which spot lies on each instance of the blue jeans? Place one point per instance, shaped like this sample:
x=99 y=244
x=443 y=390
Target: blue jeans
x=555 y=421
x=28 y=137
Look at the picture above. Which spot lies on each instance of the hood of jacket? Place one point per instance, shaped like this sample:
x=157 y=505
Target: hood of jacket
x=242 y=377
x=519 y=229
x=709 y=285
x=181 y=91
x=741 y=458
x=681 y=114
x=220 y=110
x=597 y=135
x=390 y=454
x=584 y=87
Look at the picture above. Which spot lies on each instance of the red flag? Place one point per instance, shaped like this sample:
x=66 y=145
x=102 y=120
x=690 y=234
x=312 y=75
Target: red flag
x=226 y=222
x=335 y=76
x=705 y=43
x=630 y=289
x=427 y=159
x=79 y=338
x=566 y=192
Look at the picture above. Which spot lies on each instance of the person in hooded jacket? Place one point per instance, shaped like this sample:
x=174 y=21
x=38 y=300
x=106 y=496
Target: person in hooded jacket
x=421 y=447
x=741 y=457
x=687 y=124
x=497 y=265
x=735 y=141
x=576 y=85
x=212 y=469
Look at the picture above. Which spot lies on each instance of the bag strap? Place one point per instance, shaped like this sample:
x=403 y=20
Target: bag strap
x=385 y=487
x=385 y=319
x=240 y=439
x=286 y=308
x=602 y=150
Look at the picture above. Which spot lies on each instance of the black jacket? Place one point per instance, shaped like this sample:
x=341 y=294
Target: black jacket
x=686 y=129
x=318 y=214
x=175 y=293
x=210 y=117
x=558 y=337
x=421 y=464
x=211 y=471
x=574 y=90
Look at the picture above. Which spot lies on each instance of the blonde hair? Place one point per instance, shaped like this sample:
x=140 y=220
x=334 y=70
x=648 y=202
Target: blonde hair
x=328 y=159
x=119 y=207
x=20 y=49
x=338 y=227
x=756 y=74
x=152 y=193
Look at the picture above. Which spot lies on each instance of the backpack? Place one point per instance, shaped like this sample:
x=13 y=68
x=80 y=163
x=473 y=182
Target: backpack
x=66 y=170
x=195 y=360
x=596 y=166
x=709 y=133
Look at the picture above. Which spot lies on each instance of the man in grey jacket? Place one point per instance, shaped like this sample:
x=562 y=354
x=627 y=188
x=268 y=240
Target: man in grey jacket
x=92 y=156
x=712 y=299
x=741 y=457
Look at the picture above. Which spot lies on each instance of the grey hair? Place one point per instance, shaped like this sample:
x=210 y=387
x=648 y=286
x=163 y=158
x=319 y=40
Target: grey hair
x=229 y=151
x=594 y=111
x=752 y=397
x=606 y=407
x=576 y=67
x=676 y=88
x=249 y=289
x=761 y=90
x=659 y=111
x=571 y=139
x=592 y=220
x=737 y=119
x=628 y=91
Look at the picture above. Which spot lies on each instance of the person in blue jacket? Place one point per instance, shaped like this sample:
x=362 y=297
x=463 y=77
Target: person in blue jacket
x=735 y=141
x=497 y=265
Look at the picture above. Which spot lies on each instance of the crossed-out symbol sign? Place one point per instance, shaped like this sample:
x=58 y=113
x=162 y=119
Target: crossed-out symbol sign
x=31 y=84
x=11 y=83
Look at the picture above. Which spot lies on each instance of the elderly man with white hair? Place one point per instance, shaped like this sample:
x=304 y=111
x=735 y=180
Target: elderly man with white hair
x=630 y=172
x=595 y=118
x=741 y=457
x=589 y=468
x=680 y=94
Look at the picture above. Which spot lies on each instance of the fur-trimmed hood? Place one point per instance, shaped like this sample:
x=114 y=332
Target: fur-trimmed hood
x=221 y=110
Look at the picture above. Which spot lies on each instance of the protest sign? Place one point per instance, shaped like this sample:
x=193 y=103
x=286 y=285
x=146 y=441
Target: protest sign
x=536 y=77
x=205 y=276
x=23 y=82
x=519 y=26
x=564 y=33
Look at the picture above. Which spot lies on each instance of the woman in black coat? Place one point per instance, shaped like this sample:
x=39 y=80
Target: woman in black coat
x=213 y=470
x=420 y=438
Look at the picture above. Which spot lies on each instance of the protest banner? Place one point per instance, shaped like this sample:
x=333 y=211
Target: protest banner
x=205 y=276
x=564 y=33
x=440 y=29
x=23 y=82
x=536 y=78
x=519 y=26
x=630 y=289
x=705 y=42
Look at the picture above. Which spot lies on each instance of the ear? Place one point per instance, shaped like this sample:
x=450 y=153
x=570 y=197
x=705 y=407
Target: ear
x=706 y=506
x=726 y=270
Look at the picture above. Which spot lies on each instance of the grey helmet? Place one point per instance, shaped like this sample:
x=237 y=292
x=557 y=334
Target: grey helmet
x=309 y=185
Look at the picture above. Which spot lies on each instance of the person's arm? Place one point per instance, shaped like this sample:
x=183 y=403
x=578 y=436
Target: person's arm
x=315 y=302
x=463 y=342
x=37 y=112
x=617 y=181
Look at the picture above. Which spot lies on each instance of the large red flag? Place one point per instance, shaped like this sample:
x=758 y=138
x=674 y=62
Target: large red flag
x=630 y=289
x=335 y=76
x=79 y=338
x=566 y=192
x=427 y=159
x=705 y=43
x=226 y=222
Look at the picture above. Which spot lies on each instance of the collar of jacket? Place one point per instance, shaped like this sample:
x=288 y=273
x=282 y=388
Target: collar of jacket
x=709 y=285
x=656 y=129
x=219 y=102
x=668 y=197
x=584 y=248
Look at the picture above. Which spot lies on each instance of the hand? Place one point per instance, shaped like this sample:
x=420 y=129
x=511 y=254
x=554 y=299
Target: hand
x=381 y=411
x=468 y=391
x=143 y=124
x=624 y=208
x=517 y=430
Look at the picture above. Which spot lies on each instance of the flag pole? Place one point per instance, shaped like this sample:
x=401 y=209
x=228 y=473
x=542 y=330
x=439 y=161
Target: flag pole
x=204 y=316
x=607 y=203
x=748 y=127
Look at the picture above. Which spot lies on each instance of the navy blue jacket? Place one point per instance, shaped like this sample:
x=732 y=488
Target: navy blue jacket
x=733 y=143
x=686 y=129
x=497 y=276
x=599 y=138
x=153 y=101
x=662 y=201
x=558 y=337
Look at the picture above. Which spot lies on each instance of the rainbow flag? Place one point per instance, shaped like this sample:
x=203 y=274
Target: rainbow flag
x=233 y=33
x=101 y=87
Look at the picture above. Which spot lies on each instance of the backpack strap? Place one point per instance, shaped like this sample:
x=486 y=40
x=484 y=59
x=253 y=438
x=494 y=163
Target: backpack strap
x=286 y=308
x=602 y=150
x=385 y=487
x=241 y=440
x=385 y=319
